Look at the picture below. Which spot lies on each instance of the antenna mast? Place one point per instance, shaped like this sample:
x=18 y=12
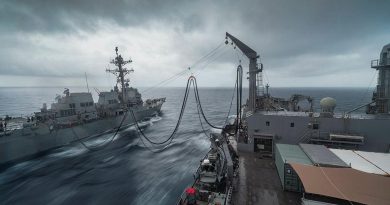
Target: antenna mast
x=121 y=72
x=86 y=80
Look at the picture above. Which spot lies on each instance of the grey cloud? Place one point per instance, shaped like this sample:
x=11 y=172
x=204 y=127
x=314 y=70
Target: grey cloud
x=292 y=27
x=283 y=32
x=73 y=15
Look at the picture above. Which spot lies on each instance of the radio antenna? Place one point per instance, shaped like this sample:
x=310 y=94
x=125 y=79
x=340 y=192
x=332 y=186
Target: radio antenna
x=86 y=80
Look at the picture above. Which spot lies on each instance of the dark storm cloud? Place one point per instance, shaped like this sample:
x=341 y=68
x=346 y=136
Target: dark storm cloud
x=292 y=28
x=300 y=38
x=275 y=19
x=73 y=15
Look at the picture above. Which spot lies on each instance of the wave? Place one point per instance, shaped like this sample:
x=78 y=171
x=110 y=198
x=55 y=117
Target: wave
x=65 y=152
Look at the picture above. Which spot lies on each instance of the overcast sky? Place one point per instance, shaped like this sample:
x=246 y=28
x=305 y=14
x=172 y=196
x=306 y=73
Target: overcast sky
x=312 y=43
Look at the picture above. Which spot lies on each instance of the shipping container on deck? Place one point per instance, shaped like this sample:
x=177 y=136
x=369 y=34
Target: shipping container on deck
x=322 y=156
x=381 y=160
x=358 y=162
x=285 y=154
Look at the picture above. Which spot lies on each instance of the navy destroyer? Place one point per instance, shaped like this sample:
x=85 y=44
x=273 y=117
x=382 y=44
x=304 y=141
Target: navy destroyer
x=75 y=116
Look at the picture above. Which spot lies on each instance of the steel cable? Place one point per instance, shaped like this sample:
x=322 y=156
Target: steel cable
x=178 y=121
x=191 y=81
x=105 y=142
x=174 y=77
x=197 y=98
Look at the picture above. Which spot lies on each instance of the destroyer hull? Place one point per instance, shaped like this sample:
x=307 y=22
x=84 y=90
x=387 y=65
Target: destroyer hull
x=26 y=143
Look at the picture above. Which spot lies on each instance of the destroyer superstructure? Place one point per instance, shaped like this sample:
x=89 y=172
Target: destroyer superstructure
x=74 y=116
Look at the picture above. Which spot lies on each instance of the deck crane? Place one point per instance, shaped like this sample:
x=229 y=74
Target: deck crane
x=253 y=69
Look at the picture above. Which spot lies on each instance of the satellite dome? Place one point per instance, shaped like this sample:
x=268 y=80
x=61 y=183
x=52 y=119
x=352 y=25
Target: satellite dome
x=328 y=104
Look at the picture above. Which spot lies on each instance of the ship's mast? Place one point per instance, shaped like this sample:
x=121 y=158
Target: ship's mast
x=120 y=72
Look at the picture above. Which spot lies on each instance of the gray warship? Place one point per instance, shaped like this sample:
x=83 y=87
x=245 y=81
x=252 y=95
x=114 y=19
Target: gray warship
x=75 y=116
x=246 y=149
x=267 y=120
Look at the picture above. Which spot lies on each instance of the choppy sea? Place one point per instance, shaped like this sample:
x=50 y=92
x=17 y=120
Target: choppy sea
x=127 y=171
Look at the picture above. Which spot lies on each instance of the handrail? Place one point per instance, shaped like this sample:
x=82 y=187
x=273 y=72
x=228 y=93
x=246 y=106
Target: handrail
x=380 y=62
x=375 y=63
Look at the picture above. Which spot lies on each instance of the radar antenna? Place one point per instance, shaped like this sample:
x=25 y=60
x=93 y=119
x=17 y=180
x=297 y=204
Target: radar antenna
x=121 y=72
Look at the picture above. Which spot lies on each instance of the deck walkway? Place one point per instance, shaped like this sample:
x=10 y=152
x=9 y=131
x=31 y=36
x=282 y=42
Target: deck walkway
x=258 y=183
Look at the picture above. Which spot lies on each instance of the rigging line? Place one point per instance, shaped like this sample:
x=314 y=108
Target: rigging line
x=266 y=76
x=105 y=142
x=211 y=58
x=210 y=61
x=193 y=67
x=200 y=106
x=368 y=88
x=238 y=118
x=140 y=139
x=334 y=186
x=239 y=96
x=211 y=53
x=242 y=54
x=238 y=55
x=200 y=120
x=201 y=123
x=231 y=103
x=191 y=80
x=170 y=80
x=174 y=77
x=170 y=138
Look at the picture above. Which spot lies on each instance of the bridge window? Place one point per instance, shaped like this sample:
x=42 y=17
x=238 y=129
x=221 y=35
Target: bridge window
x=267 y=123
x=292 y=124
x=112 y=101
x=86 y=104
x=69 y=112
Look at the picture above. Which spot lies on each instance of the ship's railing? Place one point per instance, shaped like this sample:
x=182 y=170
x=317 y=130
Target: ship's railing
x=323 y=135
x=17 y=116
x=380 y=62
x=336 y=115
x=374 y=63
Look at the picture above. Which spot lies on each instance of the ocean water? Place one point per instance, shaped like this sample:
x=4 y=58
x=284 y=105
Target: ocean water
x=128 y=171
